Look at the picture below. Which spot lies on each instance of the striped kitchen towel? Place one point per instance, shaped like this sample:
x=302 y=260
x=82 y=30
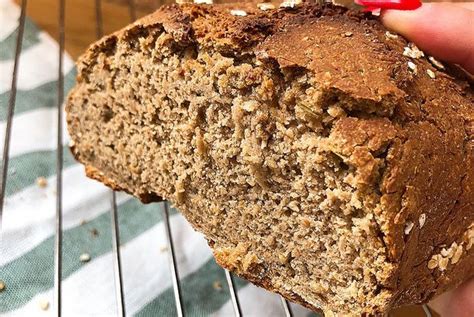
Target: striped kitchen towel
x=27 y=237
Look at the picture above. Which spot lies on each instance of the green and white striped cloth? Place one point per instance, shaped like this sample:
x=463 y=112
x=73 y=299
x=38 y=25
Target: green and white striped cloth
x=27 y=240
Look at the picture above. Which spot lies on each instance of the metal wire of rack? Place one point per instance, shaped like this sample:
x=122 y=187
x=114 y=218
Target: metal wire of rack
x=118 y=279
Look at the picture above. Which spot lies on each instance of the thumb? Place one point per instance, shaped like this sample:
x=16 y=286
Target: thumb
x=443 y=30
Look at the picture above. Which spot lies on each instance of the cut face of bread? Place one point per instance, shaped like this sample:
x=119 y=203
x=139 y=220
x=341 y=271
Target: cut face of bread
x=293 y=140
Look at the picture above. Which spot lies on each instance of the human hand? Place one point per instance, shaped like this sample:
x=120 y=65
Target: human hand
x=444 y=30
x=458 y=302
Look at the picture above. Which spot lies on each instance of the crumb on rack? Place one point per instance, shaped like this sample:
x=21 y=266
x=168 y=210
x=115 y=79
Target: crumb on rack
x=42 y=182
x=2 y=286
x=85 y=257
x=94 y=232
x=217 y=285
x=44 y=304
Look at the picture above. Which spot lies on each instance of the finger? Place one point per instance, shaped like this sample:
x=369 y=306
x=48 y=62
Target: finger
x=443 y=30
x=466 y=5
x=458 y=302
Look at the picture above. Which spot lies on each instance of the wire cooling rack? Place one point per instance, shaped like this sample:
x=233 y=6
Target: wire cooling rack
x=58 y=247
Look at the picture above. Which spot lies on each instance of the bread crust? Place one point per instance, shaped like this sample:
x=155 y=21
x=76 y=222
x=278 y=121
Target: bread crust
x=420 y=128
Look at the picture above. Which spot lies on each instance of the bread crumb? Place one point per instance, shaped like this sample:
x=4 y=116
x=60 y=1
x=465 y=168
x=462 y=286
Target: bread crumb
x=41 y=182
x=217 y=285
x=413 y=67
x=265 y=6
x=83 y=222
x=163 y=248
x=422 y=220
x=436 y=63
x=391 y=35
x=408 y=226
x=2 y=286
x=290 y=3
x=85 y=257
x=239 y=13
x=431 y=73
x=44 y=304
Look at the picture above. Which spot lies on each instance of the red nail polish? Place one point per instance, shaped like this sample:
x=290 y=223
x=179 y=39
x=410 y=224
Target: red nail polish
x=371 y=5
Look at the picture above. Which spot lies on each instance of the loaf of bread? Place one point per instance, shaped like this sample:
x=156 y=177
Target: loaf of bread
x=323 y=158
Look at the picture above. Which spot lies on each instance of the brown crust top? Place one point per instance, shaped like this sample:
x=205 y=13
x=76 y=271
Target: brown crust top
x=420 y=127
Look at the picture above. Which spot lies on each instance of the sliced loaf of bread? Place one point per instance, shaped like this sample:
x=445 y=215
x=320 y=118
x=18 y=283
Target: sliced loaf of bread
x=319 y=160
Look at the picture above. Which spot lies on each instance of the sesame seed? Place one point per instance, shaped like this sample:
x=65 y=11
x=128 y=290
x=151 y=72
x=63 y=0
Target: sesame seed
x=290 y=3
x=265 y=6
x=422 y=220
x=348 y=34
x=432 y=263
x=447 y=253
x=408 y=226
x=457 y=255
x=436 y=63
x=376 y=12
x=239 y=13
x=85 y=257
x=2 y=286
x=443 y=263
x=41 y=182
x=203 y=1
x=413 y=51
x=412 y=67
x=431 y=73
x=44 y=304
x=391 y=35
